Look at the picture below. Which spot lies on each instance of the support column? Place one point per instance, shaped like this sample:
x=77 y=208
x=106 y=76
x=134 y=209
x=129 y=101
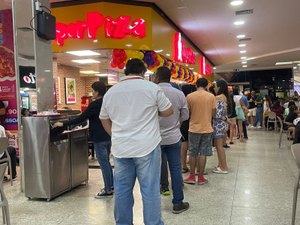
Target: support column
x=30 y=50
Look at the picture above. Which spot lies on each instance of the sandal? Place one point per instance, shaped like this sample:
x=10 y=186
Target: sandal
x=185 y=170
x=218 y=170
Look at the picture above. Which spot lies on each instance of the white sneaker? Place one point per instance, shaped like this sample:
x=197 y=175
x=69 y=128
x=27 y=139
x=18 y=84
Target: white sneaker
x=259 y=127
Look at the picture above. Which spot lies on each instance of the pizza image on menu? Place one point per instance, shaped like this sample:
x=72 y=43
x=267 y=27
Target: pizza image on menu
x=7 y=62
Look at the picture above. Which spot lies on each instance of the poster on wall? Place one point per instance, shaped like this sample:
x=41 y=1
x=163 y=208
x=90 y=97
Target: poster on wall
x=27 y=77
x=70 y=87
x=8 y=90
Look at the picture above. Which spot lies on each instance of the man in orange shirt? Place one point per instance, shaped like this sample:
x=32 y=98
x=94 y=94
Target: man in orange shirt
x=202 y=106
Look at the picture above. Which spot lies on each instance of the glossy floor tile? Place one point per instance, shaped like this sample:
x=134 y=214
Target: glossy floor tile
x=257 y=191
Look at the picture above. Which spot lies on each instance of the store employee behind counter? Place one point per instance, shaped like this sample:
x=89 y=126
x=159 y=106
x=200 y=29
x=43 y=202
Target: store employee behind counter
x=98 y=135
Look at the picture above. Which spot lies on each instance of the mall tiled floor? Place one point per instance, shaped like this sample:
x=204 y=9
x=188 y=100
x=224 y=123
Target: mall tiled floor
x=257 y=191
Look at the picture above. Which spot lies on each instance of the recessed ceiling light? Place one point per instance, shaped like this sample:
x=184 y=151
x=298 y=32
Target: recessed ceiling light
x=236 y=2
x=243 y=51
x=128 y=45
x=89 y=72
x=240 y=36
x=245 y=66
x=295 y=67
x=244 y=57
x=242 y=45
x=244 y=62
x=283 y=63
x=106 y=75
x=159 y=50
x=85 y=61
x=238 y=23
x=83 y=53
x=101 y=74
x=181 y=7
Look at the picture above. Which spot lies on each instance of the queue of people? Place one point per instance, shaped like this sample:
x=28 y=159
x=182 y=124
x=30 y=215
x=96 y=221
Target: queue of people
x=151 y=127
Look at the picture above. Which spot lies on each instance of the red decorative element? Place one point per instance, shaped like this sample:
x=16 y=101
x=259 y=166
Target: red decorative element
x=118 y=58
x=118 y=29
x=205 y=68
x=183 y=54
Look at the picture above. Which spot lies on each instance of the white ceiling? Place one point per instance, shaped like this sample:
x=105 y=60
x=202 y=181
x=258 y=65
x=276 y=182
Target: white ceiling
x=274 y=28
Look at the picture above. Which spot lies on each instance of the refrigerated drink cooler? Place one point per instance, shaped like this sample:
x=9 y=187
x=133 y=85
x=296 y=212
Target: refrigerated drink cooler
x=55 y=161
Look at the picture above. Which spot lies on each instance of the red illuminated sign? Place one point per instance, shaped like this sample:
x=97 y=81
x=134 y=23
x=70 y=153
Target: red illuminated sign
x=181 y=53
x=117 y=29
x=205 y=68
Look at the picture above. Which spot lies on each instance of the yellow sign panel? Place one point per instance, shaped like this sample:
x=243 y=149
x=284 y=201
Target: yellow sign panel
x=116 y=26
x=102 y=25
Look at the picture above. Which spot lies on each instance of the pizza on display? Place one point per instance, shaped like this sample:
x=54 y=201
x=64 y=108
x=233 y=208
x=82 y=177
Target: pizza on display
x=7 y=62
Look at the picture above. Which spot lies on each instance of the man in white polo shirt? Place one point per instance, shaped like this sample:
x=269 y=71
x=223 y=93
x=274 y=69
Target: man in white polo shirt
x=130 y=113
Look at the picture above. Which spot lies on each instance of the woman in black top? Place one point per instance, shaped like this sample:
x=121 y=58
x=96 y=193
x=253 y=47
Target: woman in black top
x=97 y=134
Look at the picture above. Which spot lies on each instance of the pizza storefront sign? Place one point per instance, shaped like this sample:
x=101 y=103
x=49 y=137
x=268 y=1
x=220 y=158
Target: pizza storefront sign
x=118 y=28
x=205 y=68
x=183 y=54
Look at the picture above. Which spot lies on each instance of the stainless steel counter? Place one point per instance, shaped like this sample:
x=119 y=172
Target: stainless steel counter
x=54 y=162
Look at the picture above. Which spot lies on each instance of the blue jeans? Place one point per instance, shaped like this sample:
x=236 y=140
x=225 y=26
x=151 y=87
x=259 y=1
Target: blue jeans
x=174 y=160
x=102 y=153
x=147 y=170
x=258 y=117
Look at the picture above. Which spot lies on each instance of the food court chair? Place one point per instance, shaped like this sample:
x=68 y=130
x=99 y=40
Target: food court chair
x=3 y=200
x=281 y=131
x=272 y=119
x=3 y=149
